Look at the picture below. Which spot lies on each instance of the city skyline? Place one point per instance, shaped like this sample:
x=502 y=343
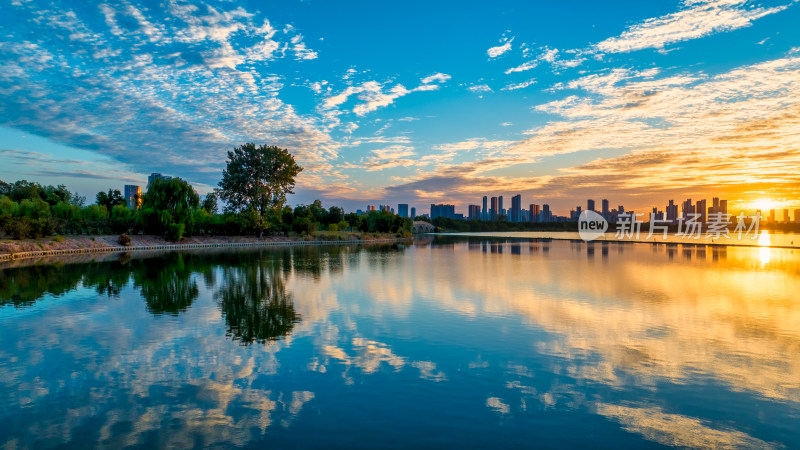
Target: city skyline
x=640 y=102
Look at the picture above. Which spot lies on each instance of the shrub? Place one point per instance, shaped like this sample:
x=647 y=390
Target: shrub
x=58 y=238
x=20 y=228
x=175 y=232
x=124 y=239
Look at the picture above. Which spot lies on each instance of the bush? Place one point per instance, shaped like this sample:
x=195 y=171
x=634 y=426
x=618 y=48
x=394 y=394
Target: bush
x=58 y=238
x=124 y=239
x=175 y=232
x=304 y=226
x=20 y=228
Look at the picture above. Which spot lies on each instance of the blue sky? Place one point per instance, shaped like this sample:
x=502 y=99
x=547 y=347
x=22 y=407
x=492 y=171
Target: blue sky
x=413 y=102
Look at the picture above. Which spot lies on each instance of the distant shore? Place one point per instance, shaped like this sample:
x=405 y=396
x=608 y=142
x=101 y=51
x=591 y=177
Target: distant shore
x=765 y=239
x=73 y=245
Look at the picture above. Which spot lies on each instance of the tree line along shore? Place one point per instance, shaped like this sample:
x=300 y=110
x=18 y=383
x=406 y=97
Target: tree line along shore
x=253 y=191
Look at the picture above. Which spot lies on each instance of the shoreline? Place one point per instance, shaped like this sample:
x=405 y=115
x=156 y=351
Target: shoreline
x=106 y=244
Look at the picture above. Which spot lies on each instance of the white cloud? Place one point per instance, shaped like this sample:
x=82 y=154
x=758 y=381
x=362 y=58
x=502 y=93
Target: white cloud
x=528 y=65
x=698 y=18
x=549 y=54
x=300 y=50
x=524 y=84
x=495 y=52
x=375 y=95
x=389 y=157
x=437 y=77
x=480 y=88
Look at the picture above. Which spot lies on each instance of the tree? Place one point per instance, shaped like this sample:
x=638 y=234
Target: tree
x=210 y=203
x=258 y=179
x=168 y=208
x=111 y=199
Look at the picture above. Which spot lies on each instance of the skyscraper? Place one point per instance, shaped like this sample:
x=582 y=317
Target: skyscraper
x=494 y=213
x=688 y=208
x=516 y=208
x=442 y=210
x=547 y=216
x=723 y=206
x=474 y=212
x=797 y=215
x=605 y=208
x=500 y=210
x=156 y=176
x=672 y=211
x=771 y=216
x=786 y=215
x=534 y=213
x=485 y=212
x=402 y=210
x=590 y=205
x=413 y=212
x=133 y=195
x=700 y=208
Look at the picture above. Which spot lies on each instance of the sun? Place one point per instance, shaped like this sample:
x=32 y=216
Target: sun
x=765 y=204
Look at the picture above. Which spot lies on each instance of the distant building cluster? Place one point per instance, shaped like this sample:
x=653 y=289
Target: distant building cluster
x=492 y=209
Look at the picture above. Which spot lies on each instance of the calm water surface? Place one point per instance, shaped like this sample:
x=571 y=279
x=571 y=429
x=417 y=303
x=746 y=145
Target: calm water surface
x=450 y=342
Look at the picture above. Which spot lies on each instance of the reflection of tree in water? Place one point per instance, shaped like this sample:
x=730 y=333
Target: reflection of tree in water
x=166 y=283
x=23 y=286
x=255 y=303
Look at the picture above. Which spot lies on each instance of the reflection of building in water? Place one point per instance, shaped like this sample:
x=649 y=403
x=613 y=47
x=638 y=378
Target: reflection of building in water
x=718 y=252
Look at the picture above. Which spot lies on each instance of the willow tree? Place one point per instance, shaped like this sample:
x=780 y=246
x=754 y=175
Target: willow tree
x=257 y=180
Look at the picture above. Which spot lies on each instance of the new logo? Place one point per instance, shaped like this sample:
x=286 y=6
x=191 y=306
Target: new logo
x=591 y=225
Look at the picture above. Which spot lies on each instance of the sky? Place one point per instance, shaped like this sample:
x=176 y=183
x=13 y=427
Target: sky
x=412 y=102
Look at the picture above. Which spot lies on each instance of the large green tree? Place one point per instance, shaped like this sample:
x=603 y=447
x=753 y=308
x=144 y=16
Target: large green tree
x=257 y=179
x=168 y=208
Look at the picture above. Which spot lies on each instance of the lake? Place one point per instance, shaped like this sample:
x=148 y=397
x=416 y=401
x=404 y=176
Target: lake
x=447 y=342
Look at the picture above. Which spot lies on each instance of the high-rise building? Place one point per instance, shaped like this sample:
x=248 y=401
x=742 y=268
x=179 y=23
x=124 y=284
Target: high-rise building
x=413 y=212
x=516 y=208
x=590 y=205
x=547 y=216
x=797 y=215
x=500 y=210
x=688 y=208
x=494 y=212
x=715 y=208
x=672 y=211
x=474 y=212
x=700 y=208
x=402 y=210
x=156 y=176
x=534 y=213
x=723 y=206
x=771 y=216
x=133 y=195
x=485 y=211
x=442 y=210
x=605 y=208
x=786 y=215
